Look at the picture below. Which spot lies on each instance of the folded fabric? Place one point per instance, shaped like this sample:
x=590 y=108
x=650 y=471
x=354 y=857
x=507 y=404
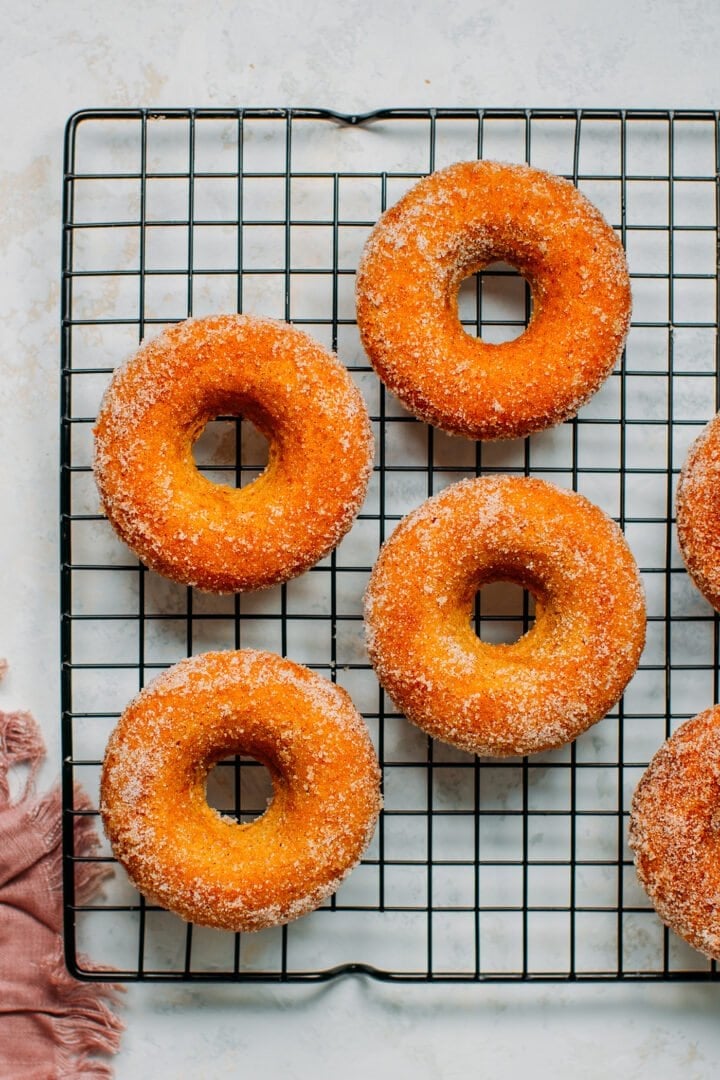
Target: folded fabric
x=51 y=1025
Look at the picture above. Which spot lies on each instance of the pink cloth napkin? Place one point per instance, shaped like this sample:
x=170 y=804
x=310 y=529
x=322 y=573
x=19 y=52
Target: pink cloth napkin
x=51 y=1025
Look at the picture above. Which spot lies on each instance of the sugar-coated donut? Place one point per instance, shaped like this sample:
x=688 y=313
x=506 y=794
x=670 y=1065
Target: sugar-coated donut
x=209 y=535
x=560 y=677
x=205 y=867
x=698 y=512
x=675 y=831
x=455 y=222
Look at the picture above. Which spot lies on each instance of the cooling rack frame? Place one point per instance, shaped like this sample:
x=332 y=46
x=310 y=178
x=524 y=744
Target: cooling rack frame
x=429 y=126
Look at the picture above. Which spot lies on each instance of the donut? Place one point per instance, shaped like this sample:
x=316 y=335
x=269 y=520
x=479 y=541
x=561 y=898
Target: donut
x=698 y=512
x=218 y=538
x=454 y=223
x=675 y=832
x=556 y=680
x=204 y=866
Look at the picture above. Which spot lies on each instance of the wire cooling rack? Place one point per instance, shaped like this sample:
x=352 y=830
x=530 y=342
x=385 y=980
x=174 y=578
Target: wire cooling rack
x=480 y=870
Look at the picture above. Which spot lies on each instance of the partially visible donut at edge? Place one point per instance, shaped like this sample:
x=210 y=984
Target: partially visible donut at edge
x=203 y=865
x=208 y=535
x=455 y=222
x=555 y=681
x=698 y=512
x=675 y=831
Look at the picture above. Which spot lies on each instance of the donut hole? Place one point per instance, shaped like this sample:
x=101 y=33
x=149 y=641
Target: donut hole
x=239 y=787
x=503 y=612
x=231 y=451
x=495 y=303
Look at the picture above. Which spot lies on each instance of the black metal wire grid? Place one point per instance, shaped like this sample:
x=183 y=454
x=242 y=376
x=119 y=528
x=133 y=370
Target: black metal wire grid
x=480 y=870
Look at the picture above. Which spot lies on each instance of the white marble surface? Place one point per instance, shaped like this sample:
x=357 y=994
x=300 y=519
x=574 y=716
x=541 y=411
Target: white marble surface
x=58 y=57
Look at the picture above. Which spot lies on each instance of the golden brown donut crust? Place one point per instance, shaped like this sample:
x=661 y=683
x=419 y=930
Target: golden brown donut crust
x=698 y=512
x=556 y=680
x=675 y=831
x=455 y=222
x=187 y=856
x=209 y=535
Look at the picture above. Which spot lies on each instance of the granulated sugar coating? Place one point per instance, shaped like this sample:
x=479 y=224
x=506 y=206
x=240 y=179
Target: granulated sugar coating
x=698 y=512
x=559 y=678
x=201 y=865
x=675 y=832
x=454 y=223
x=214 y=537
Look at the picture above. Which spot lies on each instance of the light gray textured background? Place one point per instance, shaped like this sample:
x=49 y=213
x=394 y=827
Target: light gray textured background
x=59 y=57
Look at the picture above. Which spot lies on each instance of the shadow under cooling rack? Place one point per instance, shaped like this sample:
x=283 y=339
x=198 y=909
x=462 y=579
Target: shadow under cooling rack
x=479 y=870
